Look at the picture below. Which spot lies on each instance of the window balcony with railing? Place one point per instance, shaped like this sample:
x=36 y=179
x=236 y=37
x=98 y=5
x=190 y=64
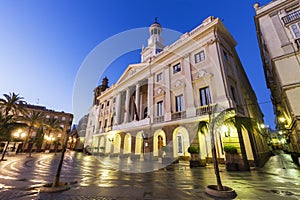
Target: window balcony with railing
x=179 y=115
x=204 y=110
x=159 y=119
x=291 y=17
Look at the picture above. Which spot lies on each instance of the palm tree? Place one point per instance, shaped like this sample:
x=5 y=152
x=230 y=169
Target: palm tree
x=57 y=176
x=56 y=144
x=39 y=139
x=241 y=123
x=53 y=125
x=8 y=123
x=214 y=123
x=34 y=119
x=12 y=104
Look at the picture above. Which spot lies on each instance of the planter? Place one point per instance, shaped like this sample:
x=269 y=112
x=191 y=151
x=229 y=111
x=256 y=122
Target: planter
x=47 y=188
x=227 y=192
x=295 y=157
x=233 y=162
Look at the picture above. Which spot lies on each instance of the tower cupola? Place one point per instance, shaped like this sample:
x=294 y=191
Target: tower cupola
x=155 y=41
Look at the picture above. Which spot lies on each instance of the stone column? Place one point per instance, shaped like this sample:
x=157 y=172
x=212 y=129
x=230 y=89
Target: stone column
x=118 y=108
x=137 y=100
x=150 y=97
x=167 y=103
x=127 y=98
x=188 y=92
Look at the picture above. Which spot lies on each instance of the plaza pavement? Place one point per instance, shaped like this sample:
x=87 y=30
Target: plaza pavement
x=93 y=178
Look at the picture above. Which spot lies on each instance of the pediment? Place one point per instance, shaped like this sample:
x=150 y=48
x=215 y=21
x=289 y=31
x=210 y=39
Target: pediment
x=131 y=72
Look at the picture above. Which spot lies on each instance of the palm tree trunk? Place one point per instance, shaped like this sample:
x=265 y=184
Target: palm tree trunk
x=4 y=150
x=243 y=150
x=57 y=176
x=30 y=150
x=215 y=160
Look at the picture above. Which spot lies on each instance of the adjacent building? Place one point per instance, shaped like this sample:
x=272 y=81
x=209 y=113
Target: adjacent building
x=53 y=138
x=278 y=31
x=162 y=100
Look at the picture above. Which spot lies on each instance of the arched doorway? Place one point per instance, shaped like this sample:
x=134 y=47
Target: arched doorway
x=159 y=140
x=127 y=144
x=181 y=142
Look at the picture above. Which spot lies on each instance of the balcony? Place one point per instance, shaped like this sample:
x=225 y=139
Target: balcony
x=291 y=17
x=159 y=119
x=179 y=115
x=203 y=110
x=132 y=124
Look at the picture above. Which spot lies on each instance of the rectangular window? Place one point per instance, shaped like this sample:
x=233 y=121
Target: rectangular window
x=159 y=77
x=225 y=55
x=179 y=103
x=199 y=56
x=160 y=108
x=296 y=30
x=205 y=96
x=107 y=104
x=233 y=93
x=176 y=68
x=105 y=123
x=112 y=122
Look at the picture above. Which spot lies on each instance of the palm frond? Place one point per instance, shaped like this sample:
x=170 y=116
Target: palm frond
x=202 y=127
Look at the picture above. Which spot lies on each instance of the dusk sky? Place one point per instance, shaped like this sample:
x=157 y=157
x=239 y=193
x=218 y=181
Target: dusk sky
x=43 y=44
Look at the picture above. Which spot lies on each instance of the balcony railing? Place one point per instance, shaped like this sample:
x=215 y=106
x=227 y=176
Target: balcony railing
x=159 y=119
x=291 y=17
x=179 y=115
x=203 y=110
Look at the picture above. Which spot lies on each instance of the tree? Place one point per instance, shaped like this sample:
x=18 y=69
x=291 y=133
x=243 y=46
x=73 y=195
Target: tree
x=215 y=121
x=39 y=139
x=57 y=176
x=34 y=119
x=53 y=125
x=10 y=108
x=56 y=144
x=12 y=104
x=8 y=123
x=240 y=122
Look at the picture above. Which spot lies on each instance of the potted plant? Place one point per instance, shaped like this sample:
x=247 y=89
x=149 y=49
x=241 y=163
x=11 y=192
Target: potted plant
x=232 y=157
x=194 y=161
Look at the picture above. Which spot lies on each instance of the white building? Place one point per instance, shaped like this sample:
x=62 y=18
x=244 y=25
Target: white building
x=278 y=29
x=161 y=100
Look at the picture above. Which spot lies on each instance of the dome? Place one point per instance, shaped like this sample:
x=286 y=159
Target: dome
x=155 y=23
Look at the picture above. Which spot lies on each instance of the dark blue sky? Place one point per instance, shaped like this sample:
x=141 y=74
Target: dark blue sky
x=44 y=43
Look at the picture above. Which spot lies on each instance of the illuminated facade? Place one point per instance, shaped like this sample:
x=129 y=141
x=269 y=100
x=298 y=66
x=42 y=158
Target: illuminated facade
x=160 y=101
x=278 y=29
x=50 y=137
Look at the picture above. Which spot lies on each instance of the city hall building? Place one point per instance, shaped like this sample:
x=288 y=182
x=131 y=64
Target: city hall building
x=161 y=100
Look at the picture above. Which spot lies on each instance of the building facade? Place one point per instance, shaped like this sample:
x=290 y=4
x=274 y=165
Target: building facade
x=161 y=101
x=278 y=32
x=52 y=138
